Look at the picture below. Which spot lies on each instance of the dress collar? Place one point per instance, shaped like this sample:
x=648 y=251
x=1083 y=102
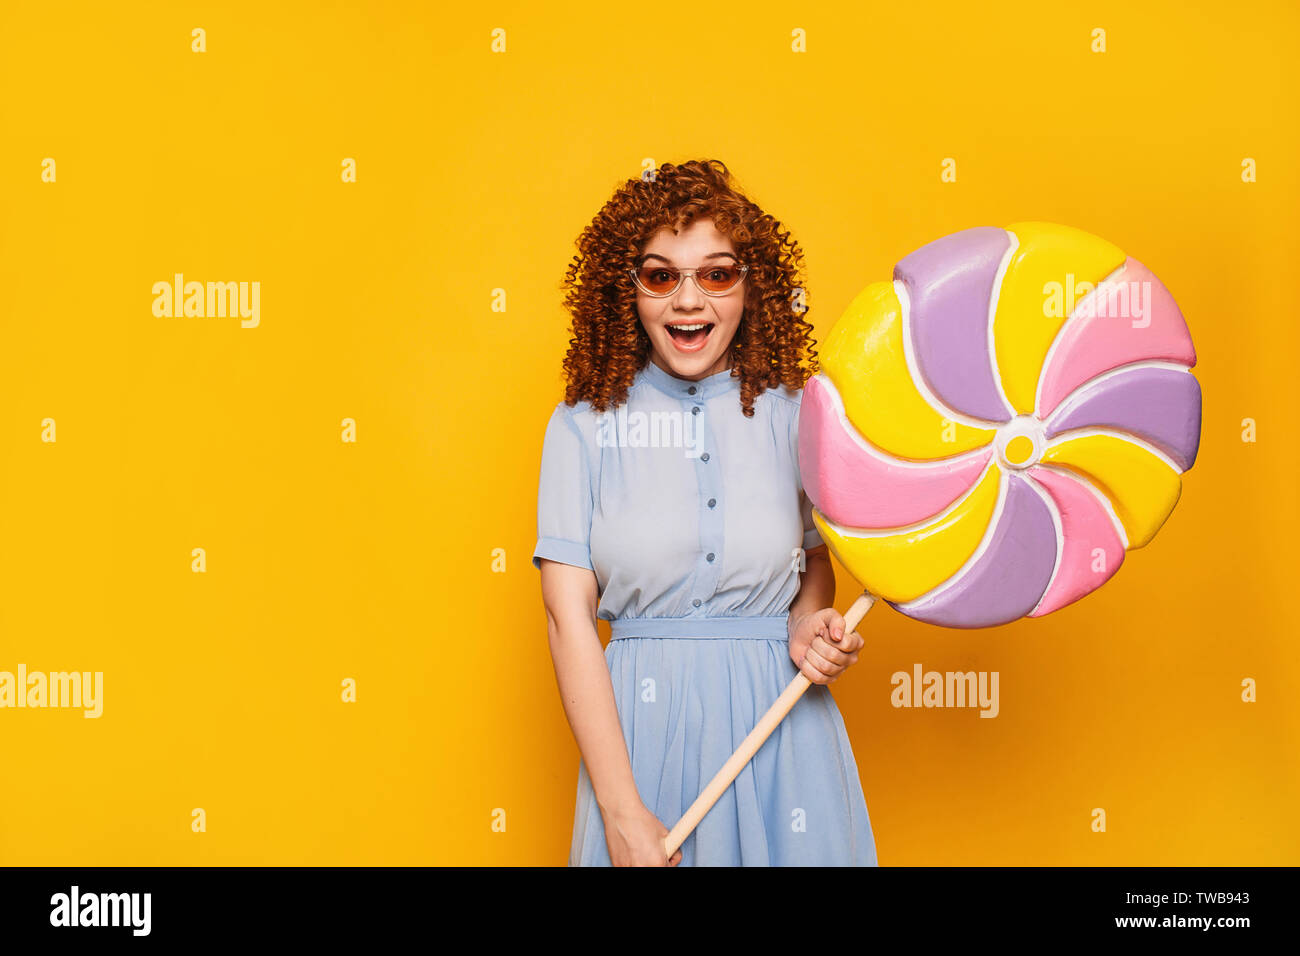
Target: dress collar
x=707 y=387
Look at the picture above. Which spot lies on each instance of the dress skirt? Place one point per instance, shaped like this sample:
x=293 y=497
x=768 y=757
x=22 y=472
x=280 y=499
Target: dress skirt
x=685 y=703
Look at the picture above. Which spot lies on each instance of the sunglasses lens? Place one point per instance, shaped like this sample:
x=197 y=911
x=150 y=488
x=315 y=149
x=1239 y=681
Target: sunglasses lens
x=719 y=278
x=658 y=279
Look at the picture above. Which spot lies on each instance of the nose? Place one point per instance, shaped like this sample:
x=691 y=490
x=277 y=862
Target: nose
x=688 y=296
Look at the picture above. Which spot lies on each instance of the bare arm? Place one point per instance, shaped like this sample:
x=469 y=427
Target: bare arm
x=816 y=584
x=633 y=835
x=582 y=674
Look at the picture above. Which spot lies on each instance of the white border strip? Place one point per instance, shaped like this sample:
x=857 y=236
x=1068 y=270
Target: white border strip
x=994 y=296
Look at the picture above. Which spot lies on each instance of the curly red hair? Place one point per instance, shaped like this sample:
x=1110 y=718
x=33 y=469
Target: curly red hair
x=773 y=344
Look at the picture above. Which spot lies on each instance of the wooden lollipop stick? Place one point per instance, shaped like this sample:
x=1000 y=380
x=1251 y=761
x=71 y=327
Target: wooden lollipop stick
x=749 y=746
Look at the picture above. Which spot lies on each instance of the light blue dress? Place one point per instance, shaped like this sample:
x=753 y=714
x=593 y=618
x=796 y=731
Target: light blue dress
x=692 y=518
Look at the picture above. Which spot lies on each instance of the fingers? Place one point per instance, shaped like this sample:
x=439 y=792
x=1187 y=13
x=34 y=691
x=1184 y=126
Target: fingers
x=813 y=674
x=807 y=670
x=818 y=669
x=677 y=854
x=821 y=648
x=828 y=623
x=824 y=662
x=830 y=653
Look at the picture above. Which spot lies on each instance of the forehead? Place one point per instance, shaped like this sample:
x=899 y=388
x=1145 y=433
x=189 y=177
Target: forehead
x=699 y=239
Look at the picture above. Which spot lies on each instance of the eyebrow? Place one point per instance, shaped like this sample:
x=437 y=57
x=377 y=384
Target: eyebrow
x=654 y=255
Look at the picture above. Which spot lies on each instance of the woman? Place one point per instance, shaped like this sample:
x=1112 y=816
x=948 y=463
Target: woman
x=670 y=505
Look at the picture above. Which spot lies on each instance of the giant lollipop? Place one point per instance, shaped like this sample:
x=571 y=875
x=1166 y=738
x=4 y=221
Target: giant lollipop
x=991 y=432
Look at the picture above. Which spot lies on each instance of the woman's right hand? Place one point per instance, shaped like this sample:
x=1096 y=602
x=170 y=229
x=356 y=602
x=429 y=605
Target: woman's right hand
x=635 y=837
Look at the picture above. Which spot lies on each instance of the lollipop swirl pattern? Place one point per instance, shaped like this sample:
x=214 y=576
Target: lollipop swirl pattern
x=992 y=430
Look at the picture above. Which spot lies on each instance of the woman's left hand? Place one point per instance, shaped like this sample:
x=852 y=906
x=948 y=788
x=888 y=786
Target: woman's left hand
x=820 y=648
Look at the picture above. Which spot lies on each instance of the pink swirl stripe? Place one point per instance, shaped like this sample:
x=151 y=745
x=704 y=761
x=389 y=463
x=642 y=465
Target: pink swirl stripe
x=1091 y=549
x=1094 y=343
x=855 y=485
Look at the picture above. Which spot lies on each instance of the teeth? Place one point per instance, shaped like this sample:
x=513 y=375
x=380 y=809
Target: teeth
x=688 y=328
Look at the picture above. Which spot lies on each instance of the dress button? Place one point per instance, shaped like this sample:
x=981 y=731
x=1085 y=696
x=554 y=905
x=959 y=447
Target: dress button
x=691 y=390
x=713 y=502
x=695 y=410
x=710 y=555
x=696 y=602
x=704 y=457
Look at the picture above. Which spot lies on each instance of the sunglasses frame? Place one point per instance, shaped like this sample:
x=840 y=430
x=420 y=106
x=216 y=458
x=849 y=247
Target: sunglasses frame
x=682 y=273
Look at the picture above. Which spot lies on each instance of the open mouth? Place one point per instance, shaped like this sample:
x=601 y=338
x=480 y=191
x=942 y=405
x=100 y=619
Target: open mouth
x=690 y=336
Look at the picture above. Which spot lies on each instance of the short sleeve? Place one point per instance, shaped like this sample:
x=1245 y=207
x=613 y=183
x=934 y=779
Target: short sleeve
x=564 y=500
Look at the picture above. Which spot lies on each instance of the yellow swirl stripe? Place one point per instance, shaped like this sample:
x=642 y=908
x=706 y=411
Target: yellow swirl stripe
x=1142 y=487
x=866 y=346
x=1040 y=289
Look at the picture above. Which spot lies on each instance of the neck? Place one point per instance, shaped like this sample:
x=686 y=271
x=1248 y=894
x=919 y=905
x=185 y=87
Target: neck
x=722 y=365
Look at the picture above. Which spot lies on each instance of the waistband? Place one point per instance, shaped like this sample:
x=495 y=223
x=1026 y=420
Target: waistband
x=759 y=628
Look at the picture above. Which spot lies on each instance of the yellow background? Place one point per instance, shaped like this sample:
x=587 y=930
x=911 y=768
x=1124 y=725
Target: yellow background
x=476 y=172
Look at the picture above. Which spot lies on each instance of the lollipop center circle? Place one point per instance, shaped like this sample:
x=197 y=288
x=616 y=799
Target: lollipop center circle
x=1019 y=450
x=1020 y=442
